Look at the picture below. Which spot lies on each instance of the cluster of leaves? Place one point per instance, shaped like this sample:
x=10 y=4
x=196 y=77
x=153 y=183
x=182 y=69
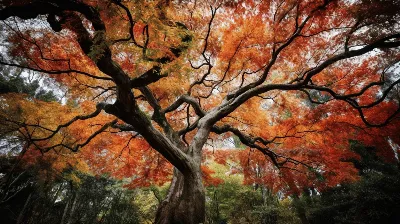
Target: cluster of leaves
x=122 y=156
x=36 y=193
x=233 y=202
x=373 y=199
x=14 y=82
x=57 y=186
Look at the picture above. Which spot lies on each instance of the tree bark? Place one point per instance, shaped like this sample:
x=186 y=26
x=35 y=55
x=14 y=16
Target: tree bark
x=185 y=202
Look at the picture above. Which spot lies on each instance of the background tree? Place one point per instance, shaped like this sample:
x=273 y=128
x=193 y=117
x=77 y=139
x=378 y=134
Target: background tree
x=38 y=194
x=174 y=74
x=373 y=199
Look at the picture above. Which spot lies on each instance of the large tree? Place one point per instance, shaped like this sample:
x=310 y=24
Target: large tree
x=274 y=74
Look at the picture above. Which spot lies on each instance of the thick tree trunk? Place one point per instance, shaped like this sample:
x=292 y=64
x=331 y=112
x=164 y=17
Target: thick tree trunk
x=185 y=202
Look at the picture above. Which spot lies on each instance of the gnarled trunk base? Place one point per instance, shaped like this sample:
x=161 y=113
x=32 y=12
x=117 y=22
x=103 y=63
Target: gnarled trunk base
x=185 y=202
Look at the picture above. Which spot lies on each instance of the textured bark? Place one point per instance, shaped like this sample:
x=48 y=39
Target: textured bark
x=185 y=202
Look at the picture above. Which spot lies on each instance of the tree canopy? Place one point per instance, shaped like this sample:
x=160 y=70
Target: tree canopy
x=150 y=84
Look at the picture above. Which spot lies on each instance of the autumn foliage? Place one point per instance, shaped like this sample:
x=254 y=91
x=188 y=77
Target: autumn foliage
x=152 y=85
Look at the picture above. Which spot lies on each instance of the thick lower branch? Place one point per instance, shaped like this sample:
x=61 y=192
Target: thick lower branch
x=139 y=121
